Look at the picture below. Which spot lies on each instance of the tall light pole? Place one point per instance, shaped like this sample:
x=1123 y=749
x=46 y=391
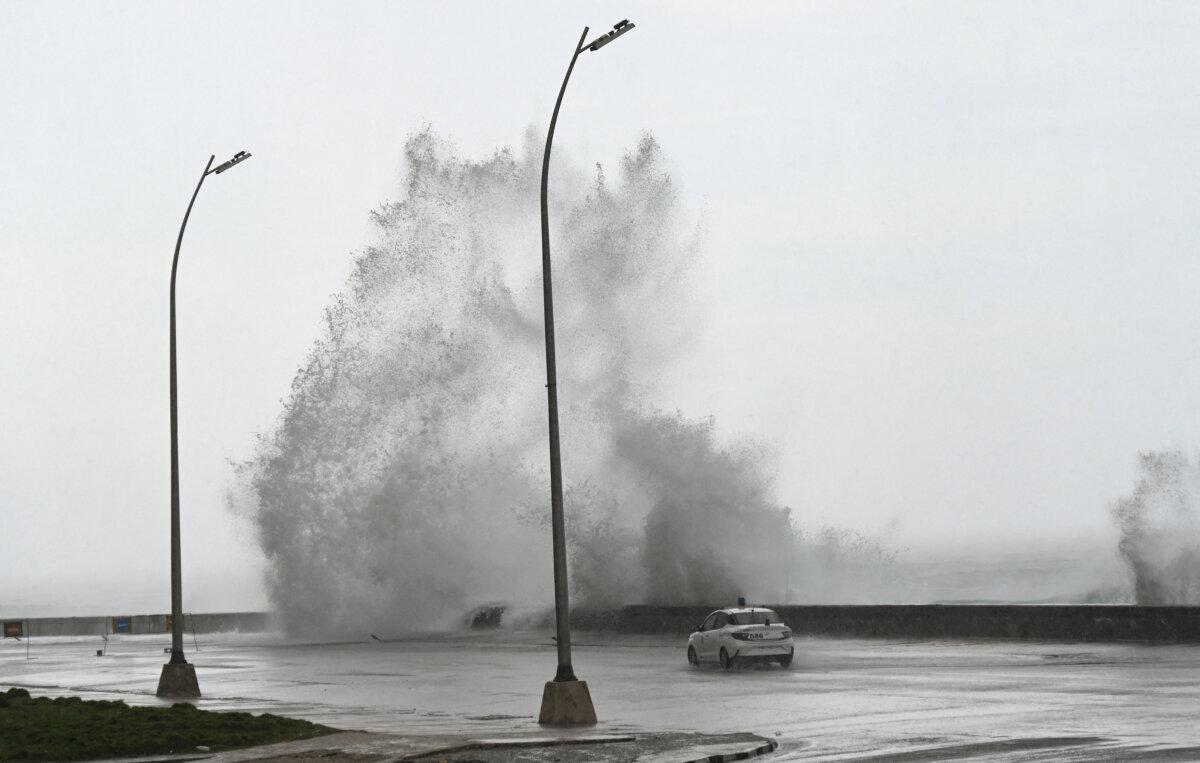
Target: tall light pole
x=178 y=678
x=566 y=699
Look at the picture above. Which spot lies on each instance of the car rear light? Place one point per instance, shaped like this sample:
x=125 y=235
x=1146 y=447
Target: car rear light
x=786 y=634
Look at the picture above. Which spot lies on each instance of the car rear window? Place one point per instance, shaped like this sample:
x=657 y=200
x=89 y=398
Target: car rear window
x=758 y=617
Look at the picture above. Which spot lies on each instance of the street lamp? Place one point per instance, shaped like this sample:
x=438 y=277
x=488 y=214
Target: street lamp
x=178 y=678
x=566 y=699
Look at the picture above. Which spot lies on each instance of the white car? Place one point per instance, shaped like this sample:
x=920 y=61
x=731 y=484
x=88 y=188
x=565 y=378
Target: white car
x=741 y=634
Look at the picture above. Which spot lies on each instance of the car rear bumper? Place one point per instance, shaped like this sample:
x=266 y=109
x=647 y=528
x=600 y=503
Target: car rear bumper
x=766 y=651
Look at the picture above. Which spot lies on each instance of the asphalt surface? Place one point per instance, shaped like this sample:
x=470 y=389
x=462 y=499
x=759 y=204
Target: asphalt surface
x=841 y=699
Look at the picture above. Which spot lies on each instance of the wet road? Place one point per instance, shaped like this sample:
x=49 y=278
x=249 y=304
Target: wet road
x=842 y=699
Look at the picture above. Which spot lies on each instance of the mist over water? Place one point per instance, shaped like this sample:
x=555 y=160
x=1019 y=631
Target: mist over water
x=407 y=479
x=1160 y=530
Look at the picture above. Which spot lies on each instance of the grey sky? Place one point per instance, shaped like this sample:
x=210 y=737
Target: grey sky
x=951 y=248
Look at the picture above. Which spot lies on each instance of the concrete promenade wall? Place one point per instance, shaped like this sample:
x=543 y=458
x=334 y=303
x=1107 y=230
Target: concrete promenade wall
x=931 y=621
x=918 y=621
x=200 y=622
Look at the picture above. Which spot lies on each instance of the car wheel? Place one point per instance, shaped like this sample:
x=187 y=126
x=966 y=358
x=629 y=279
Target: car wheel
x=786 y=660
x=726 y=660
x=692 y=658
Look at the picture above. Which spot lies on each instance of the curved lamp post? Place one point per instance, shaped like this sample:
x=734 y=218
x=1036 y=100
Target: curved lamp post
x=565 y=700
x=178 y=678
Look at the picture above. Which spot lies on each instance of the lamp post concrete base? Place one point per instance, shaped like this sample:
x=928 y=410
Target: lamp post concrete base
x=567 y=703
x=178 y=679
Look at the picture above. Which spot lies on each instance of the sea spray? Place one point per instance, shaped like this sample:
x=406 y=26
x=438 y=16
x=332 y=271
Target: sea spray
x=1160 y=530
x=712 y=530
x=406 y=479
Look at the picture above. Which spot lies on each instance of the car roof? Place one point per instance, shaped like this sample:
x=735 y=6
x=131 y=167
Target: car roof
x=739 y=610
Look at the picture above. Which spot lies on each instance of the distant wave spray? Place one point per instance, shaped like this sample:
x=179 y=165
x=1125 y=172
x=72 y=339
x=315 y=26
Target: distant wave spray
x=1160 y=530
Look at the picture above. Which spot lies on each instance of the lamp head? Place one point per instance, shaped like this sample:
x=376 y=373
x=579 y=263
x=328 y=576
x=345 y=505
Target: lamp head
x=239 y=157
x=619 y=28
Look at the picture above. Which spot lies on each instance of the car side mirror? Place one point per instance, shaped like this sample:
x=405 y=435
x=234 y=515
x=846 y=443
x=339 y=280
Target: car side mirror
x=700 y=627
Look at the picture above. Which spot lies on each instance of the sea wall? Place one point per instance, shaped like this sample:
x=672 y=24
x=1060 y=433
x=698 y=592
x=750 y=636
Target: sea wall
x=931 y=621
x=916 y=621
x=97 y=625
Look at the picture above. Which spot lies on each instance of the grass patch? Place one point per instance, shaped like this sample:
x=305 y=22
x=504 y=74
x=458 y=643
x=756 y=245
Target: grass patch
x=69 y=728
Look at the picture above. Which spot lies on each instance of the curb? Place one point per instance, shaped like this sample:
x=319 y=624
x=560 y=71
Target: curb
x=714 y=752
x=503 y=744
x=677 y=747
x=762 y=749
x=770 y=746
